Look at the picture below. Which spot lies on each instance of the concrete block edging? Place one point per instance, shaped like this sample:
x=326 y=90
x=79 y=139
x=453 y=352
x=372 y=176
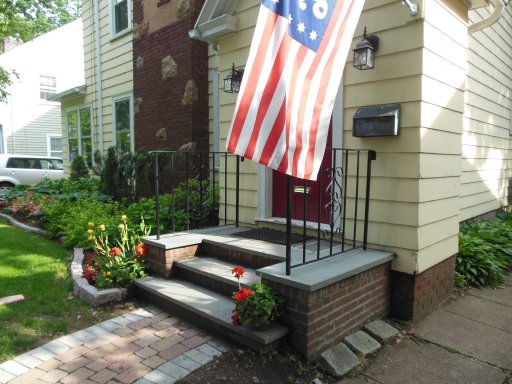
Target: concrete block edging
x=87 y=292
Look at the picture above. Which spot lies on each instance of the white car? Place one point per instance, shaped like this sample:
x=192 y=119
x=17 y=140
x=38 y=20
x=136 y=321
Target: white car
x=25 y=169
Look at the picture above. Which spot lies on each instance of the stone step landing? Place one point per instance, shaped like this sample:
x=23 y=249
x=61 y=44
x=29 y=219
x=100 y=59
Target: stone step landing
x=342 y=358
x=208 y=309
x=213 y=273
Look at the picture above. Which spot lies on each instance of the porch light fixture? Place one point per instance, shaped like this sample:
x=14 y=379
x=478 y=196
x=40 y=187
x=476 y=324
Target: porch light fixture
x=233 y=80
x=364 y=52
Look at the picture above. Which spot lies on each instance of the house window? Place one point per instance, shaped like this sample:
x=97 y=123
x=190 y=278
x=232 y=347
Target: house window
x=121 y=17
x=47 y=86
x=80 y=134
x=123 y=122
x=54 y=144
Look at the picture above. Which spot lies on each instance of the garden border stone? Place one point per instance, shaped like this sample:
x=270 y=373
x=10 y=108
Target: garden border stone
x=87 y=292
x=22 y=226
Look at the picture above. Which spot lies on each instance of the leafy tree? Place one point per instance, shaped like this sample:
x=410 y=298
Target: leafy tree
x=5 y=81
x=28 y=19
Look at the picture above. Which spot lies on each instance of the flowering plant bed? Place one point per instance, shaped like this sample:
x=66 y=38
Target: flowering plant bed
x=118 y=257
x=255 y=306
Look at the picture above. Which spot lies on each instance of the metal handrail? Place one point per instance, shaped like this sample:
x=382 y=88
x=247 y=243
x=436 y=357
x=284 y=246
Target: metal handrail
x=344 y=184
x=200 y=166
x=339 y=188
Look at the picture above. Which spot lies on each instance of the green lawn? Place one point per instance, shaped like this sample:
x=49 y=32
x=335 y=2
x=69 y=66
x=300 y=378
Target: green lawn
x=38 y=269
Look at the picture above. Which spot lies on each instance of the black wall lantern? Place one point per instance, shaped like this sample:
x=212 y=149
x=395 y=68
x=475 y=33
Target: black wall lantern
x=233 y=80
x=364 y=52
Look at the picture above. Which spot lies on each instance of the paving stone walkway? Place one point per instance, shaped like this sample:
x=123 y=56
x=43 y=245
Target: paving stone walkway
x=146 y=346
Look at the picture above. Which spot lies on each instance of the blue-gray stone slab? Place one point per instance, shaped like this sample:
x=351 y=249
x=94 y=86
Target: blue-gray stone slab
x=173 y=370
x=381 y=331
x=361 y=342
x=338 y=360
x=198 y=356
x=314 y=276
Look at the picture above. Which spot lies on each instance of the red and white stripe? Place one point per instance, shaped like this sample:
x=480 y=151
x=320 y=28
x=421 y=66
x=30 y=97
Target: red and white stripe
x=284 y=107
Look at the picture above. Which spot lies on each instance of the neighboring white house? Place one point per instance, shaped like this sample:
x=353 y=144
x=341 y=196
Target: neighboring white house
x=49 y=64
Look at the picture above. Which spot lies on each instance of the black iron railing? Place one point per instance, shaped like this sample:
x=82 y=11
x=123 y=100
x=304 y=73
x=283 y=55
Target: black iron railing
x=192 y=184
x=338 y=204
x=198 y=189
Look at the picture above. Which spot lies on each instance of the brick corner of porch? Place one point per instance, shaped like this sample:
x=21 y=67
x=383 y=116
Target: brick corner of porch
x=328 y=299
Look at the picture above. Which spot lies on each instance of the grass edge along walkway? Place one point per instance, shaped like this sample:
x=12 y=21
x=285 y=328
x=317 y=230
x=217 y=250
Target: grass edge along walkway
x=38 y=269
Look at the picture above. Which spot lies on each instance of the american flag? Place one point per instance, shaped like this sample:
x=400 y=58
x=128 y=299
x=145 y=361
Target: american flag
x=291 y=79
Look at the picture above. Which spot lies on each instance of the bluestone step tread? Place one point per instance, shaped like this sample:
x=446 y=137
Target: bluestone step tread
x=211 y=305
x=338 y=360
x=361 y=342
x=217 y=269
x=381 y=330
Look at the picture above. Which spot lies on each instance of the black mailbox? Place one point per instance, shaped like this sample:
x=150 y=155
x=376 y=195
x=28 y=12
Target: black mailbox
x=377 y=120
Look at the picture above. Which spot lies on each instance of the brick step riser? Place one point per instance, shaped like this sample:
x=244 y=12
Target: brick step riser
x=204 y=323
x=203 y=280
x=236 y=257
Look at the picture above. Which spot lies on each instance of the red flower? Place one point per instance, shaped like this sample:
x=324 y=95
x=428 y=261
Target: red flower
x=140 y=249
x=235 y=319
x=243 y=294
x=115 y=251
x=238 y=271
x=89 y=259
x=90 y=274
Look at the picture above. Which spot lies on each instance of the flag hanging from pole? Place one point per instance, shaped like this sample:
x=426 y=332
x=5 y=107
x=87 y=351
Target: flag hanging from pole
x=290 y=82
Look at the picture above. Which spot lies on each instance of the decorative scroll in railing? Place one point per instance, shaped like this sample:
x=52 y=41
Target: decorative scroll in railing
x=188 y=189
x=339 y=216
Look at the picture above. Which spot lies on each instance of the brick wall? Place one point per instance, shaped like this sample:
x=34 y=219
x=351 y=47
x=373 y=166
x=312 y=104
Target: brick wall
x=162 y=120
x=160 y=260
x=321 y=319
x=414 y=296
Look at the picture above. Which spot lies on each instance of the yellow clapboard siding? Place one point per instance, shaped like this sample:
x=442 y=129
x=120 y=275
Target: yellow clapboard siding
x=435 y=253
x=481 y=208
x=438 y=166
x=438 y=188
x=429 y=234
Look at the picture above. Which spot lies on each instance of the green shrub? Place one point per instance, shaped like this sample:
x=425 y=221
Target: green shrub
x=485 y=252
x=187 y=198
x=68 y=219
x=72 y=189
x=117 y=175
x=79 y=169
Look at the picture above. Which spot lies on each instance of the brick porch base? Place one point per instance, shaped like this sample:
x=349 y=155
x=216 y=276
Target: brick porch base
x=414 y=296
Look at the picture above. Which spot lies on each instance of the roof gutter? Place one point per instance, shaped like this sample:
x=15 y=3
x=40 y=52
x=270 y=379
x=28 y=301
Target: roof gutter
x=499 y=7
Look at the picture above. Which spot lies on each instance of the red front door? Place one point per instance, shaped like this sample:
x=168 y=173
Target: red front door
x=305 y=193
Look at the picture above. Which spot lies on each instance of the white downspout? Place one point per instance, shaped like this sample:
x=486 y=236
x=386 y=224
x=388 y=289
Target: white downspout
x=99 y=84
x=499 y=7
